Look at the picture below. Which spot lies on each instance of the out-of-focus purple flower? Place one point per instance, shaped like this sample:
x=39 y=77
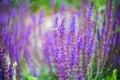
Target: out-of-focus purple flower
x=85 y=2
x=79 y=13
x=33 y=18
x=17 y=29
x=5 y=18
x=30 y=64
x=28 y=3
x=14 y=13
x=6 y=35
x=41 y=16
x=48 y=51
x=0 y=18
x=27 y=33
x=11 y=41
x=53 y=2
x=63 y=5
x=13 y=54
x=5 y=2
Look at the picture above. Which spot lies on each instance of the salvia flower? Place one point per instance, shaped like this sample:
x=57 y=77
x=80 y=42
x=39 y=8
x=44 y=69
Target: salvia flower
x=3 y=64
x=71 y=51
x=62 y=28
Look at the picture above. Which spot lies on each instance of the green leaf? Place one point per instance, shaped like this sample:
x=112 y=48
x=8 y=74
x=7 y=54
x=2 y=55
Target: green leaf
x=117 y=29
x=113 y=76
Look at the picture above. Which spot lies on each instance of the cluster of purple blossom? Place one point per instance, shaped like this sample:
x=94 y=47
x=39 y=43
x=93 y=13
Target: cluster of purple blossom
x=74 y=47
x=76 y=37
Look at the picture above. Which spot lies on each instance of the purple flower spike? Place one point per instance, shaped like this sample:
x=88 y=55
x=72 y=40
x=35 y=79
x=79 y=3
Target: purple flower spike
x=72 y=28
x=90 y=47
x=62 y=28
x=80 y=42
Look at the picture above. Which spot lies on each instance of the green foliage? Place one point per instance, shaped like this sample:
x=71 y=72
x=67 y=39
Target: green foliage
x=118 y=29
x=37 y=4
x=43 y=76
x=113 y=76
x=104 y=76
x=108 y=73
x=116 y=5
x=29 y=76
